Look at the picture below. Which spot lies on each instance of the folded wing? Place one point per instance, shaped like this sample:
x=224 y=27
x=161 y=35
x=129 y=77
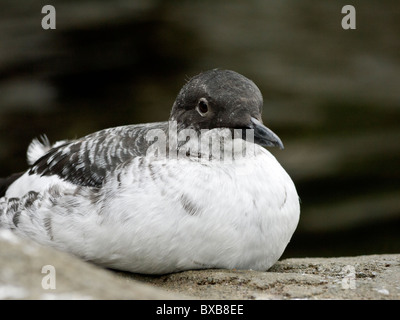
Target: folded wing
x=86 y=161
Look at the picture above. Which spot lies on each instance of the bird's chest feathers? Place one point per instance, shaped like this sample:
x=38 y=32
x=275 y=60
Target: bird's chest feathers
x=248 y=186
x=244 y=187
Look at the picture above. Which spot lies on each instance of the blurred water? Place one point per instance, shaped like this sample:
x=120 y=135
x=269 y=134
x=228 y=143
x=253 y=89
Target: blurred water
x=333 y=96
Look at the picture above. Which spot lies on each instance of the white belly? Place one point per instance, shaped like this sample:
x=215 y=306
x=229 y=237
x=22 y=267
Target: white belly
x=165 y=216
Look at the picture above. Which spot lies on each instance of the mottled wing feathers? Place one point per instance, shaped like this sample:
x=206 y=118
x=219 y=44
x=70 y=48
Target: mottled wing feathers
x=86 y=161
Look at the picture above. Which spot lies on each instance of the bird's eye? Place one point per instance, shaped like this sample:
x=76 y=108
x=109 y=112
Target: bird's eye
x=202 y=106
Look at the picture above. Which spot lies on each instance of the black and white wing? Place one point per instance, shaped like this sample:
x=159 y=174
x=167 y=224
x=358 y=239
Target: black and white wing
x=86 y=161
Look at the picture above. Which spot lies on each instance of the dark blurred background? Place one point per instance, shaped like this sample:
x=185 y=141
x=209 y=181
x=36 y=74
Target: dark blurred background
x=332 y=95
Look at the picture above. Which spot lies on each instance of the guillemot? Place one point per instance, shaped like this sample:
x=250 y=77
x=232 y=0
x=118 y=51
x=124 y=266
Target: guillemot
x=109 y=200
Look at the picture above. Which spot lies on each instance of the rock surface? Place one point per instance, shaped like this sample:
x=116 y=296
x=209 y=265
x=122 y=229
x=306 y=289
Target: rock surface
x=363 y=277
x=21 y=276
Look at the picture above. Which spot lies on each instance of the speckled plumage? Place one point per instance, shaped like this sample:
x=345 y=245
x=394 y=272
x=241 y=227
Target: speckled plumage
x=106 y=199
x=86 y=161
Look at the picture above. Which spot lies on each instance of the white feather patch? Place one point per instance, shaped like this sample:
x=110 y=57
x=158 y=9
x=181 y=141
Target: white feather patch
x=39 y=147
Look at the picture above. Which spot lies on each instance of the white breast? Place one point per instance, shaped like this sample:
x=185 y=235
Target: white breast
x=163 y=217
x=160 y=216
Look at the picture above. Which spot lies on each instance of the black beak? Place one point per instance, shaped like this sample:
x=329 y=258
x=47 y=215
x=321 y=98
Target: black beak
x=264 y=136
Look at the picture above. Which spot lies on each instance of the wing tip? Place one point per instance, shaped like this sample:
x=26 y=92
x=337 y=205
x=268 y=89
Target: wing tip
x=37 y=148
x=40 y=147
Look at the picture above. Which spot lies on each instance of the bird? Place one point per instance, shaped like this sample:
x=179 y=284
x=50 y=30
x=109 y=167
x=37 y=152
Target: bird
x=197 y=191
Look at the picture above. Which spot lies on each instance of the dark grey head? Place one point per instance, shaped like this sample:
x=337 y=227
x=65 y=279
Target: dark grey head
x=222 y=99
